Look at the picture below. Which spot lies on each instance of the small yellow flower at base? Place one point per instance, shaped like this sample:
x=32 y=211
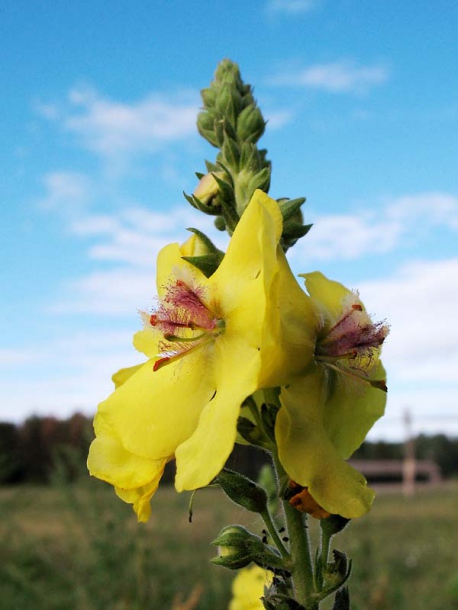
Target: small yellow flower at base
x=248 y=588
x=210 y=343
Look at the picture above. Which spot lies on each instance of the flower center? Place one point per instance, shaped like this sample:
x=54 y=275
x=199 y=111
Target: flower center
x=184 y=321
x=352 y=345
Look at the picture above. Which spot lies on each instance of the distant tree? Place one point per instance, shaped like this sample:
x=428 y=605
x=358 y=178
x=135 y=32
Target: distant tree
x=11 y=467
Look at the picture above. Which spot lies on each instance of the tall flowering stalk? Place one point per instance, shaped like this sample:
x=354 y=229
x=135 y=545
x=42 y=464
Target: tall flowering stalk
x=237 y=350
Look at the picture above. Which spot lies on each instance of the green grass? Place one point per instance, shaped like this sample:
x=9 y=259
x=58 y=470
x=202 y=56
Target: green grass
x=80 y=548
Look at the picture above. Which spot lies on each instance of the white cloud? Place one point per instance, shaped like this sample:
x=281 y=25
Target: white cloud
x=342 y=76
x=131 y=240
x=110 y=128
x=420 y=303
x=13 y=357
x=291 y=7
x=279 y=118
x=404 y=220
x=66 y=191
x=68 y=375
x=421 y=352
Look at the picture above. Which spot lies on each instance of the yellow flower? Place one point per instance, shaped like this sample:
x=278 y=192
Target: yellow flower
x=211 y=342
x=248 y=588
x=327 y=412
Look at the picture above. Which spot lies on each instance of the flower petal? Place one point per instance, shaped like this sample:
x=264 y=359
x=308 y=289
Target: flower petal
x=204 y=454
x=154 y=411
x=251 y=252
x=352 y=409
x=327 y=294
x=289 y=328
x=309 y=456
x=110 y=461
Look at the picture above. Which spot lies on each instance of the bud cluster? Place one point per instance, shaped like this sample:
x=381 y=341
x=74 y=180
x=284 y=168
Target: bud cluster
x=232 y=122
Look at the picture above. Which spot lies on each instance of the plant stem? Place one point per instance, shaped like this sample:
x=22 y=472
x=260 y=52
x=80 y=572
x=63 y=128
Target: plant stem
x=274 y=534
x=302 y=567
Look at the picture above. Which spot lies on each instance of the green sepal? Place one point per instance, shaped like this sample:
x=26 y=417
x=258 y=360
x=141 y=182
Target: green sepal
x=268 y=417
x=250 y=124
x=333 y=525
x=207 y=242
x=281 y=602
x=251 y=433
x=207 y=263
x=208 y=97
x=211 y=167
x=261 y=180
x=212 y=209
x=230 y=216
x=239 y=547
x=220 y=223
x=290 y=207
x=334 y=574
x=342 y=600
x=226 y=189
x=295 y=230
x=231 y=153
x=242 y=490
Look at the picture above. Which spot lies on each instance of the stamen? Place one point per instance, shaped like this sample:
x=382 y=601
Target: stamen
x=354 y=337
x=359 y=375
x=185 y=321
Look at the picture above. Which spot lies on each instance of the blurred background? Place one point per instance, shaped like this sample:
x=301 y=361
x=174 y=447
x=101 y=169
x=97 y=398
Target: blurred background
x=98 y=108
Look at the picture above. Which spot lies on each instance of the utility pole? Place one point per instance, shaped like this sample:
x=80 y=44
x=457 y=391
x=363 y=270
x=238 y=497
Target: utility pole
x=408 y=466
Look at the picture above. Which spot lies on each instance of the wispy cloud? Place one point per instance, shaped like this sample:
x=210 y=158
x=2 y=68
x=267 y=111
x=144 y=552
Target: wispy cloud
x=109 y=127
x=405 y=219
x=342 y=76
x=128 y=241
x=291 y=7
x=65 y=191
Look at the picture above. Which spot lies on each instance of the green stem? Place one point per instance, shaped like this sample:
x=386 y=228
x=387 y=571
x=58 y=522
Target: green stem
x=302 y=567
x=274 y=534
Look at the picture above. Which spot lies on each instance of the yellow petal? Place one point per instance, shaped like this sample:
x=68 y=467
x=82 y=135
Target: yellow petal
x=352 y=409
x=204 y=454
x=169 y=263
x=328 y=294
x=123 y=375
x=147 y=341
x=110 y=461
x=140 y=498
x=289 y=330
x=154 y=411
x=251 y=256
x=309 y=456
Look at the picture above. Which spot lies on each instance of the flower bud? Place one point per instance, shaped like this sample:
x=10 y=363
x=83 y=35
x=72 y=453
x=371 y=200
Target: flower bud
x=250 y=124
x=243 y=491
x=208 y=188
x=235 y=547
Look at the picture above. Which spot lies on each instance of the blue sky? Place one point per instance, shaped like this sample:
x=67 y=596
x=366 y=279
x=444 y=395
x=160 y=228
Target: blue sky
x=98 y=134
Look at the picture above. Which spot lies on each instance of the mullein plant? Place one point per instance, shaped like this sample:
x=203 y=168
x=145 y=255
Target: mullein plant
x=239 y=351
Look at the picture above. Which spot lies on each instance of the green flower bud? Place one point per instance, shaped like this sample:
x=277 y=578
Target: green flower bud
x=208 y=188
x=250 y=124
x=234 y=547
x=243 y=491
x=237 y=547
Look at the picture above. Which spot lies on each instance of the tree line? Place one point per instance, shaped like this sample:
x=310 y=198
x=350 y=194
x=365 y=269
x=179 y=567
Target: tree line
x=33 y=451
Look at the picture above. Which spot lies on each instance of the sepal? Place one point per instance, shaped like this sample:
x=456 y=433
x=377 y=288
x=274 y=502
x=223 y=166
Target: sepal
x=342 y=600
x=242 y=490
x=238 y=547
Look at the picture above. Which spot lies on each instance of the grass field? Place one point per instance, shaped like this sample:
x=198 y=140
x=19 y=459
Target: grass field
x=80 y=548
